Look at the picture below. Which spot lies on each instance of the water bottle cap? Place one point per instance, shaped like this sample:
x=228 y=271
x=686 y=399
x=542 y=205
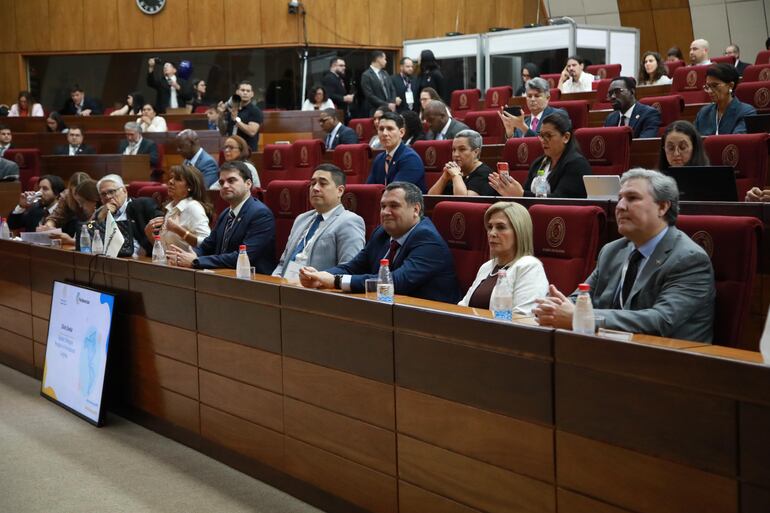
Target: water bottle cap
x=584 y=287
x=541 y=172
x=242 y=247
x=384 y=261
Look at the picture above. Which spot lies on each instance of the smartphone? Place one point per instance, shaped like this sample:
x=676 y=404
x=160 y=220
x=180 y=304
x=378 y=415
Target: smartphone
x=502 y=169
x=513 y=111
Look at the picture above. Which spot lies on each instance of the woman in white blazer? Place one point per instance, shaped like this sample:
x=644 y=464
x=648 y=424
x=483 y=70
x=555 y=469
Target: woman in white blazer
x=509 y=232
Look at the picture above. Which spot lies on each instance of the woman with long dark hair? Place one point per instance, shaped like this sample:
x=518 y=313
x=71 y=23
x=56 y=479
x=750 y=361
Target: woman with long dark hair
x=430 y=74
x=652 y=71
x=133 y=106
x=681 y=145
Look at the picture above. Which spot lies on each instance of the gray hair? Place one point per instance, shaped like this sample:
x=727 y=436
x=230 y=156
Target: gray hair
x=474 y=138
x=133 y=126
x=438 y=106
x=662 y=187
x=539 y=84
x=116 y=179
x=188 y=133
x=412 y=194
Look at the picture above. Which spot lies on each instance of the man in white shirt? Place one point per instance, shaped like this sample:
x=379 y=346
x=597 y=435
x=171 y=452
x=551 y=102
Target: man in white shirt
x=699 y=53
x=573 y=79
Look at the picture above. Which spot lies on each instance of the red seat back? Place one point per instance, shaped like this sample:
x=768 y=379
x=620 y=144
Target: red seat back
x=577 y=111
x=33 y=182
x=306 y=155
x=552 y=79
x=434 y=155
x=28 y=161
x=201 y=109
x=497 y=97
x=287 y=199
x=688 y=82
x=174 y=126
x=567 y=240
x=763 y=57
x=756 y=94
x=488 y=124
x=555 y=94
x=158 y=192
x=364 y=200
x=723 y=59
x=731 y=242
x=464 y=101
x=670 y=108
x=461 y=224
x=608 y=149
x=601 y=102
x=277 y=163
x=757 y=73
x=353 y=159
x=133 y=188
x=519 y=153
x=364 y=128
x=671 y=67
x=604 y=71
x=747 y=153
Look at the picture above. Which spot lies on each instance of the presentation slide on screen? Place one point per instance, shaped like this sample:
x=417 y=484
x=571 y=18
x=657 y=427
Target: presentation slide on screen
x=76 y=356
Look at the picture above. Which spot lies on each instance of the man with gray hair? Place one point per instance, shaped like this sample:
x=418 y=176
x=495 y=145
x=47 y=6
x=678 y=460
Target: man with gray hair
x=188 y=146
x=733 y=51
x=135 y=144
x=699 y=53
x=538 y=95
x=655 y=280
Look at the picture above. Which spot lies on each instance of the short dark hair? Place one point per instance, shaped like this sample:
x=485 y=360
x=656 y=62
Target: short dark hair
x=577 y=58
x=4 y=127
x=675 y=52
x=57 y=184
x=76 y=89
x=338 y=175
x=376 y=54
x=245 y=82
x=334 y=60
x=76 y=127
x=629 y=81
x=331 y=112
x=724 y=72
x=237 y=165
x=412 y=194
x=392 y=116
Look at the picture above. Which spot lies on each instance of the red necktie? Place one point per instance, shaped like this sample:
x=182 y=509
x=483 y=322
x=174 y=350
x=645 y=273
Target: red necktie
x=388 y=160
x=533 y=124
x=394 y=245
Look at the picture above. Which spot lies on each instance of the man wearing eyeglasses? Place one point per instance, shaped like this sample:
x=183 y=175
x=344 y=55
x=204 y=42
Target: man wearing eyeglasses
x=135 y=212
x=643 y=119
x=336 y=132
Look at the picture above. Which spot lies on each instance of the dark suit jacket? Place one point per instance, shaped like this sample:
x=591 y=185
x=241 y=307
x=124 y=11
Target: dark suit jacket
x=406 y=166
x=146 y=147
x=376 y=93
x=336 y=88
x=139 y=212
x=528 y=119
x=732 y=121
x=741 y=66
x=157 y=81
x=345 y=135
x=435 y=79
x=645 y=120
x=208 y=168
x=254 y=227
x=566 y=180
x=88 y=103
x=28 y=220
x=422 y=268
x=83 y=149
x=455 y=127
x=400 y=89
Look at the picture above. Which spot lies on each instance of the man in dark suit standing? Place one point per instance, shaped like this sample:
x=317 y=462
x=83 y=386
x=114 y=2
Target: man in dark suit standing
x=79 y=105
x=735 y=53
x=406 y=86
x=643 y=120
x=336 y=132
x=336 y=86
x=442 y=127
x=135 y=144
x=376 y=85
x=75 y=144
x=248 y=221
x=173 y=91
x=419 y=258
x=399 y=162
x=28 y=214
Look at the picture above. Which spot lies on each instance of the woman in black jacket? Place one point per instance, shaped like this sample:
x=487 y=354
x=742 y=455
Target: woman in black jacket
x=430 y=74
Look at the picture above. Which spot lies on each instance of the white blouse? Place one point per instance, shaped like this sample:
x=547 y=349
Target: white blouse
x=158 y=124
x=528 y=281
x=189 y=214
x=308 y=105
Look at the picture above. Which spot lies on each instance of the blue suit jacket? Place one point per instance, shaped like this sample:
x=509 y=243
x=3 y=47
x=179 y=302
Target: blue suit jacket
x=731 y=123
x=527 y=119
x=254 y=226
x=406 y=166
x=345 y=135
x=422 y=268
x=645 y=120
x=208 y=168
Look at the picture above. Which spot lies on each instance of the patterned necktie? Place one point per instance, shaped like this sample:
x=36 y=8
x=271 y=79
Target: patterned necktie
x=329 y=141
x=228 y=231
x=623 y=121
x=308 y=236
x=533 y=124
x=631 y=271
x=394 y=245
x=388 y=160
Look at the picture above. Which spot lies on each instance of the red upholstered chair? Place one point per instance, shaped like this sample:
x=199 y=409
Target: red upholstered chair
x=552 y=79
x=497 y=97
x=756 y=94
x=603 y=71
x=287 y=199
x=157 y=173
x=747 y=153
x=567 y=240
x=601 y=102
x=577 y=111
x=731 y=242
x=608 y=149
x=364 y=128
x=464 y=101
x=258 y=193
x=434 y=155
x=174 y=126
x=133 y=188
x=33 y=181
x=670 y=108
x=461 y=224
x=28 y=161
x=671 y=67
x=201 y=109
x=763 y=57
x=723 y=59
x=354 y=160
x=306 y=155
x=159 y=192
x=555 y=94
x=688 y=82
x=756 y=73
x=488 y=124
x=364 y=200
x=277 y=163
x=108 y=111
x=520 y=152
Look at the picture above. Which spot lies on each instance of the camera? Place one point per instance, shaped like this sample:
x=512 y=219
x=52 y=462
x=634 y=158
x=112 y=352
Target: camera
x=294 y=6
x=235 y=100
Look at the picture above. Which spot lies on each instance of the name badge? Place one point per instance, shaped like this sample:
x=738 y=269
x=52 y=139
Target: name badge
x=409 y=95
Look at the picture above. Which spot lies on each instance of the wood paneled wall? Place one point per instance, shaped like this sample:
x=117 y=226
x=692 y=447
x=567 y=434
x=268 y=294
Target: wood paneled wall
x=661 y=23
x=53 y=26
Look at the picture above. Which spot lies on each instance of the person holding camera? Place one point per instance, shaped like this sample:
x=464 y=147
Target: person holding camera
x=238 y=116
x=173 y=91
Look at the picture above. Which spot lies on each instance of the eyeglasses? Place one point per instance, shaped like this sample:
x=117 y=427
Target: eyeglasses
x=547 y=136
x=109 y=193
x=713 y=86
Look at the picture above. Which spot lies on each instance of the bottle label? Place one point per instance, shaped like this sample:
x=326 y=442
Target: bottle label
x=503 y=315
x=385 y=292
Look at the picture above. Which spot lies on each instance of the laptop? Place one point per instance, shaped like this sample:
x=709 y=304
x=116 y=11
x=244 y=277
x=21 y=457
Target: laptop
x=705 y=183
x=758 y=123
x=602 y=187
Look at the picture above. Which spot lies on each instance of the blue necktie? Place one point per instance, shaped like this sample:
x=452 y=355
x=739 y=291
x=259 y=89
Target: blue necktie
x=307 y=237
x=228 y=231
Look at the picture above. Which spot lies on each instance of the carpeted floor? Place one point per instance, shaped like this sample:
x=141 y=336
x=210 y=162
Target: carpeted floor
x=51 y=460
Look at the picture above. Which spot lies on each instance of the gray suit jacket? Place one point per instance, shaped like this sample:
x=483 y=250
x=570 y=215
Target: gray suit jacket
x=673 y=296
x=337 y=240
x=455 y=127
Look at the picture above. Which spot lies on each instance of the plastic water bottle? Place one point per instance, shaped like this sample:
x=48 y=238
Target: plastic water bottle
x=5 y=232
x=243 y=265
x=501 y=301
x=158 y=253
x=85 y=240
x=97 y=246
x=540 y=186
x=583 y=314
x=385 y=289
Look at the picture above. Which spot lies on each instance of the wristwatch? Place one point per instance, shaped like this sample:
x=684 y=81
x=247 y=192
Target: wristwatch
x=337 y=281
x=238 y=119
x=196 y=264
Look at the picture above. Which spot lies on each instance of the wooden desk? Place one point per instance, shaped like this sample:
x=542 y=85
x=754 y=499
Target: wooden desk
x=130 y=167
x=9 y=197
